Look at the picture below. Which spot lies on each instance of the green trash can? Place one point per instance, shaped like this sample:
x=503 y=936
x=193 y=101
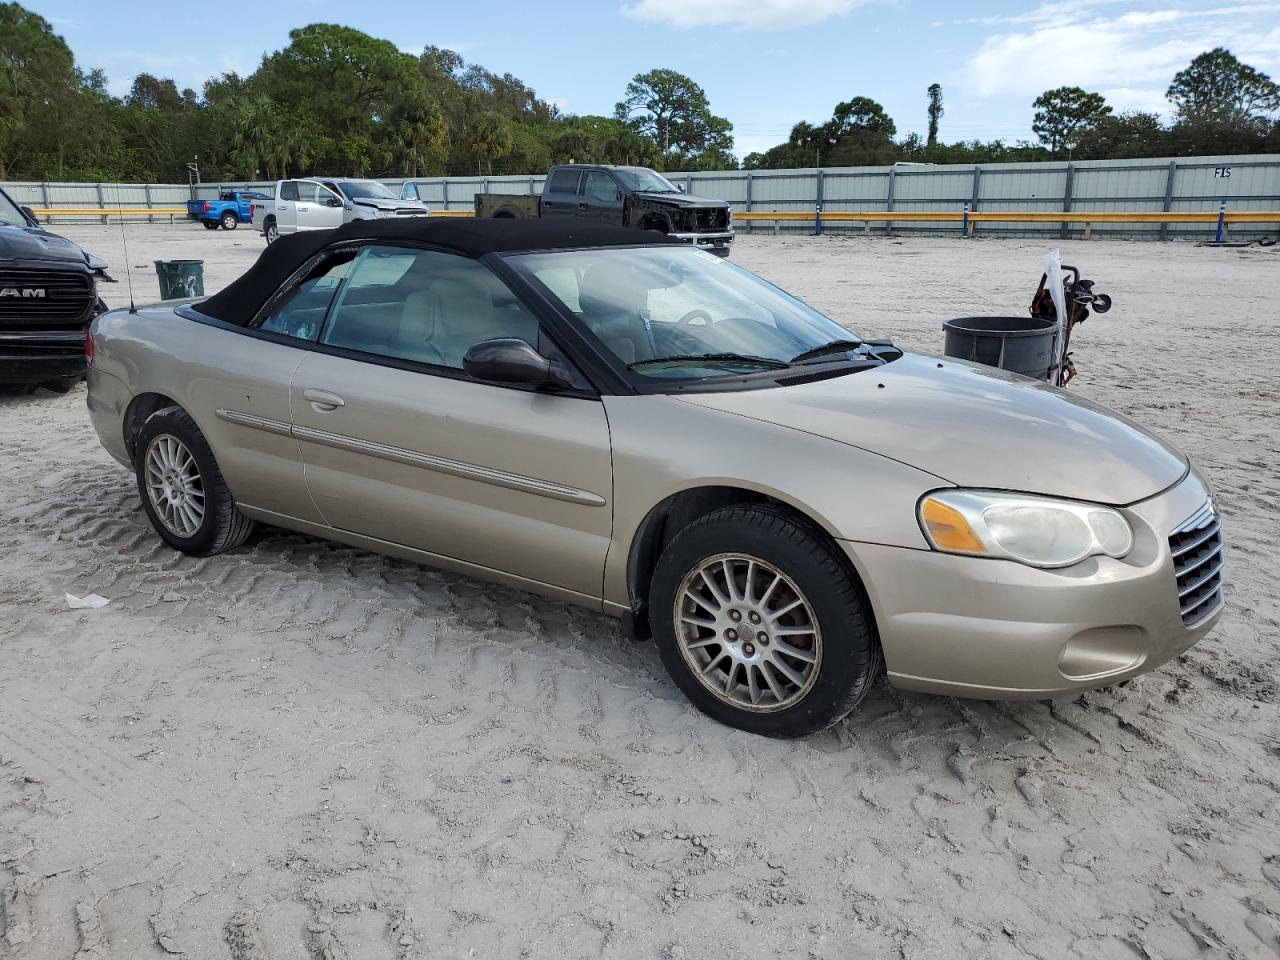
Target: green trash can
x=180 y=279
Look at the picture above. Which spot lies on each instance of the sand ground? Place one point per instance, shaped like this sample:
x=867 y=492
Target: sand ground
x=300 y=750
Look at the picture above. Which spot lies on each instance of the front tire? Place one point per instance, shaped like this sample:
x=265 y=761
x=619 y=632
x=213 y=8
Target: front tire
x=182 y=489
x=229 y=221
x=762 y=624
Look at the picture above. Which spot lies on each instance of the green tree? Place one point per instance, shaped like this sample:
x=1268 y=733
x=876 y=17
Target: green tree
x=673 y=111
x=935 y=112
x=1217 y=88
x=1064 y=114
x=492 y=138
x=350 y=87
x=1132 y=134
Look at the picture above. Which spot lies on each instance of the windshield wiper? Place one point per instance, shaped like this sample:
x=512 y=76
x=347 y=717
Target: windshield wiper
x=712 y=358
x=835 y=346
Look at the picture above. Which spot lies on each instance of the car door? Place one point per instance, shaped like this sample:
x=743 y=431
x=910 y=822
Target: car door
x=401 y=445
x=560 y=193
x=319 y=208
x=601 y=197
x=241 y=395
x=286 y=207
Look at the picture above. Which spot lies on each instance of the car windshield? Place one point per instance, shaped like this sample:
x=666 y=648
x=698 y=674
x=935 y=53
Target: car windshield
x=644 y=180
x=9 y=212
x=675 y=313
x=366 y=189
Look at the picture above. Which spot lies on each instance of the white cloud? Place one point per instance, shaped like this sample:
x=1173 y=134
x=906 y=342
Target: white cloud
x=745 y=14
x=1129 y=55
x=1125 y=99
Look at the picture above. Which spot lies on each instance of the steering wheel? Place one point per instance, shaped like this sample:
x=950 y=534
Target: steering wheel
x=695 y=314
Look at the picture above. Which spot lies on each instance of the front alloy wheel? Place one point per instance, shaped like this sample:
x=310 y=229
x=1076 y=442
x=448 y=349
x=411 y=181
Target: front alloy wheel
x=748 y=633
x=761 y=620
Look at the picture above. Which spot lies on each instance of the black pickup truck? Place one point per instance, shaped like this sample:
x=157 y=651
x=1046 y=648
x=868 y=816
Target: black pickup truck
x=48 y=297
x=628 y=196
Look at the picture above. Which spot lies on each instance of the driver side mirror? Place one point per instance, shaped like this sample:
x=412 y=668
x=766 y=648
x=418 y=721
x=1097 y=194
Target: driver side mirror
x=680 y=187
x=30 y=213
x=508 y=360
x=333 y=202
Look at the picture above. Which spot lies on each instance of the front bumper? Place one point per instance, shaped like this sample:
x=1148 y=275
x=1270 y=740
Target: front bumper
x=38 y=357
x=995 y=629
x=718 y=243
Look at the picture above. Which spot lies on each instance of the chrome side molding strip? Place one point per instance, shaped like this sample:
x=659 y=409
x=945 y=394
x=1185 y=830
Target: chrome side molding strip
x=412 y=458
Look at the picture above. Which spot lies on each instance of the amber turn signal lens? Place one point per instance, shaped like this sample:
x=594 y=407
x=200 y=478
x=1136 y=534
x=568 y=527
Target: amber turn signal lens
x=948 y=529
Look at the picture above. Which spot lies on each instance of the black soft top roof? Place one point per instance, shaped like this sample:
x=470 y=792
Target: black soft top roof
x=241 y=299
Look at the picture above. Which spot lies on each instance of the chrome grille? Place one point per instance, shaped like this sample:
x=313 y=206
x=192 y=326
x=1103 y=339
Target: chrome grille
x=64 y=298
x=1197 y=563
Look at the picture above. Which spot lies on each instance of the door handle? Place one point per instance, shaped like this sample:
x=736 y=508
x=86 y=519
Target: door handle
x=323 y=400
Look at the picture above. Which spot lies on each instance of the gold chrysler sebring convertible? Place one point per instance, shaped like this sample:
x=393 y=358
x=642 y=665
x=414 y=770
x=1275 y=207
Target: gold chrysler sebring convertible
x=616 y=419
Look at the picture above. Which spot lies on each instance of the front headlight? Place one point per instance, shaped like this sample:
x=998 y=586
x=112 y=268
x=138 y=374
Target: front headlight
x=1037 y=531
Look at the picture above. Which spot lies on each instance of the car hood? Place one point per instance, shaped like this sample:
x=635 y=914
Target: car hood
x=33 y=243
x=973 y=426
x=680 y=199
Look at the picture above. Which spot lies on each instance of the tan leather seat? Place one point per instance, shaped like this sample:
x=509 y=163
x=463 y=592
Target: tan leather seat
x=467 y=314
x=614 y=304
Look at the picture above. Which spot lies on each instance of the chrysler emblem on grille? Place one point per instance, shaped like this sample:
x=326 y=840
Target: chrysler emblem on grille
x=23 y=293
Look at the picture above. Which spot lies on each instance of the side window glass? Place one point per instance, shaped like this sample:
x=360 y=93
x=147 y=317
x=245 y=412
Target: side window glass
x=289 y=190
x=302 y=314
x=563 y=181
x=600 y=187
x=426 y=306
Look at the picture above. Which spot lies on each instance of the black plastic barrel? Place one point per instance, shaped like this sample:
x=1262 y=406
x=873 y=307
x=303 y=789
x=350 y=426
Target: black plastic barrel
x=1019 y=344
x=180 y=278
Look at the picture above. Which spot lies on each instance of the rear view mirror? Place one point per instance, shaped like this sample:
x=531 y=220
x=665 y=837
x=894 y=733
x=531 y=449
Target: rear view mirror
x=508 y=360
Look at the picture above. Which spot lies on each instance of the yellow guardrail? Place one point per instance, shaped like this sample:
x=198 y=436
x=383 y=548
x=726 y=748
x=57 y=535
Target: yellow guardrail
x=969 y=219
x=109 y=211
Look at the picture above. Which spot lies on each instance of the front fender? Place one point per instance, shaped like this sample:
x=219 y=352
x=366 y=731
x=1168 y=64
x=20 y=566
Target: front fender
x=662 y=447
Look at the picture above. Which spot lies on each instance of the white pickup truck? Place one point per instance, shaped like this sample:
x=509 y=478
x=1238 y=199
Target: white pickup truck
x=320 y=203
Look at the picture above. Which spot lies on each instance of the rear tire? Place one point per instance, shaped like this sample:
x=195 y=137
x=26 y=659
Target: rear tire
x=788 y=647
x=182 y=489
x=60 y=386
x=210 y=224
x=270 y=231
x=229 y=221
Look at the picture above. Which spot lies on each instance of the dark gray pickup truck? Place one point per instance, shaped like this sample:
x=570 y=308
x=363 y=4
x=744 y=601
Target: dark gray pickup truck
x=627 y=196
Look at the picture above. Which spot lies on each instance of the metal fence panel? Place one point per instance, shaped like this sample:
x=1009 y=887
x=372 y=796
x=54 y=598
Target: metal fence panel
x=1184 y=184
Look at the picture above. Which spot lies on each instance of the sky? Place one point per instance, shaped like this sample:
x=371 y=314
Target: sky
x=765 y=64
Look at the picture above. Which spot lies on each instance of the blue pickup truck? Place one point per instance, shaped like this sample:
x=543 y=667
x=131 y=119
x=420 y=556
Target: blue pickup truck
x=232 y=208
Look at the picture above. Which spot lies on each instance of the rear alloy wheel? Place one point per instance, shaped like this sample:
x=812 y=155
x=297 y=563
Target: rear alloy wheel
x=761 y=623
x=182 y=489
x=271 y=232
x=230 y=221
